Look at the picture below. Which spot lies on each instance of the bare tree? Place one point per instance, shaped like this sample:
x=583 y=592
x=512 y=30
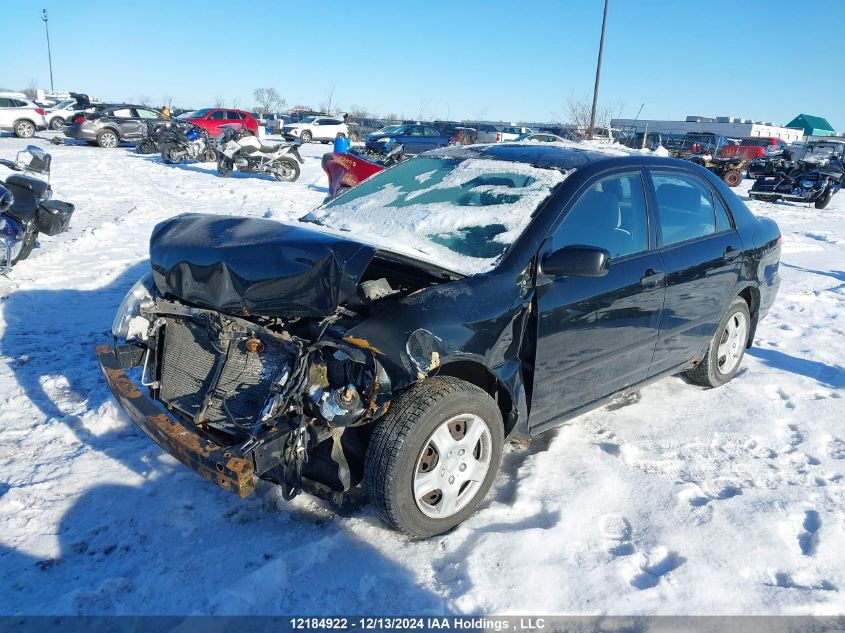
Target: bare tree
x=328 y=103
x=268 y=100
x=168 y=101
x=578 y=110
x=31 y=90
x=423 y=108
x=236 y=102
x=219 y=102
x=145 y=100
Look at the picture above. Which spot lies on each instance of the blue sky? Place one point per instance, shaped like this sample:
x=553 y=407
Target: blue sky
x=460 y=59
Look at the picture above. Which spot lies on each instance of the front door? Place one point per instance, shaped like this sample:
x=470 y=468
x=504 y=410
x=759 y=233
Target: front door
x=596 y=335
x=701 y=250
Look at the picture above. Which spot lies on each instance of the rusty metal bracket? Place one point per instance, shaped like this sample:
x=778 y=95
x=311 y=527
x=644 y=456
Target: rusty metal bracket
x=211 y=461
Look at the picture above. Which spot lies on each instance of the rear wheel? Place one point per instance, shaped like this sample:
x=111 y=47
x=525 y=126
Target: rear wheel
x=209 y=156
x=27 y=246
x=822 y=202
x=306 y=136
x=432 y=458
x=225 y=166
x=766 y=198
x=57 y=124
x=732 y=177
x=723 y=357
x=24 y=129
x=286 y=171
x=107 y=139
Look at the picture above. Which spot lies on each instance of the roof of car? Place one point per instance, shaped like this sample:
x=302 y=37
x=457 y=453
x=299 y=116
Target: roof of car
x=550 y=156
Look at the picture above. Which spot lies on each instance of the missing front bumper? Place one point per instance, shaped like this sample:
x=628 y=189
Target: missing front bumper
x=209 y=460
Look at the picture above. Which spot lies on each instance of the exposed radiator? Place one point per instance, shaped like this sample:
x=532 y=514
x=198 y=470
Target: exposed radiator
x=188 y=368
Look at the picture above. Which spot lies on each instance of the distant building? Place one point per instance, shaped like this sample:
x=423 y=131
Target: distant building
x=724 y=125
x=812 y=125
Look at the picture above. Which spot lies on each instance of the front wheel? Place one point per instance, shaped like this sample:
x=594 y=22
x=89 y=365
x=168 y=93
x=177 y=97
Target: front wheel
x=433 y=456
x=225 y=166
x=209 y=156
x=170 y=154
x=764 y=198
x=306 y=136
x=286 y=171
x=727 y=347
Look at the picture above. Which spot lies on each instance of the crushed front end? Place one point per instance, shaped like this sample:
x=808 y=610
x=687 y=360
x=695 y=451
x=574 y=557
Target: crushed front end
x=243 y=367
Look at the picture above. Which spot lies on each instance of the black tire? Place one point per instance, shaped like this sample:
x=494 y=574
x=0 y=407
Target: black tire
x=306 y=136
x=225 y=166
x=822 y=202
x=107 y=139
x=711 y=371
x=764 y=197
x=145 y=147
x=732 y=177
x=28 y=244
x=167 y=155
x=57 y=123
x=24 y=129
x=289 y=173
x=209 y=156
x=396 y=452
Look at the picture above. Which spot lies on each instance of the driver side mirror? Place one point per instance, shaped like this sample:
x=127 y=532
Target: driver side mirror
x=36 y=151
x=576 y=261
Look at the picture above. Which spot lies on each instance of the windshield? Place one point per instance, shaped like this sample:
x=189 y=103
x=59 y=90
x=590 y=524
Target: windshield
x=392 y=129
x=202 y=112
x=819 y=151
x=458 y=213
x=61 y=105
x=187 y=115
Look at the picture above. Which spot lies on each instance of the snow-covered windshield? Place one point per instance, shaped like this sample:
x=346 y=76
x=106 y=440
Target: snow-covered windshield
x=459 y=213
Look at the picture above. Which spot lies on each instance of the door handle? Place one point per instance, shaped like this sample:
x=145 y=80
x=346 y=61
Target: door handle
x=652 y=277
x=731 y=252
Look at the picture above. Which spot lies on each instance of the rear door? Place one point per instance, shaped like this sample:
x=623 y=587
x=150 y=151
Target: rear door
x=7 y=115
x=414 y=139
x=701 y=250
x=144 y=116
x=125 y=120
x=596 y=335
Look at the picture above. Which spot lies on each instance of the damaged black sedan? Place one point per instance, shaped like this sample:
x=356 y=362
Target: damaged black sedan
x=400 y=334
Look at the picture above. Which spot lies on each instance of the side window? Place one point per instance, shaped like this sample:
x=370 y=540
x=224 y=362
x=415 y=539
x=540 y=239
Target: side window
x=123 y=113
x=723 y=221
x=219 y=115
x=415 y=131
x=233 y=116
x=4 y=102
x=685 y=207
x=611 y=214
x=148 y=114
x=430 y=131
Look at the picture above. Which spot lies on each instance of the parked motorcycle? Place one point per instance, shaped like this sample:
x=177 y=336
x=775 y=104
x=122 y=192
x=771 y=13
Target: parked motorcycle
x=186 y=141
x=775 y=161
x=150 y=143
x=238 y=148
x=26 y=208
x=808 y=180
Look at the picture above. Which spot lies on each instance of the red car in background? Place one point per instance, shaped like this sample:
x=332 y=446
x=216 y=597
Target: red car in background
x=211 y=119
x=751 y=147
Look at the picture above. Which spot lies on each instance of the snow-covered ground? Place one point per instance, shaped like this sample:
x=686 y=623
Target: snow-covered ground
x=678 y=500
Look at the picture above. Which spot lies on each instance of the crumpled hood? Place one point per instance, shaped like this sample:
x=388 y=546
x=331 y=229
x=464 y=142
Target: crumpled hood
x=253 y=266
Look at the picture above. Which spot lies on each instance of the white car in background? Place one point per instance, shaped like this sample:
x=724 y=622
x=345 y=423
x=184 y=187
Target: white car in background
x=20 y=115
x=59 y=114
x=512 y=132
x=316 y=128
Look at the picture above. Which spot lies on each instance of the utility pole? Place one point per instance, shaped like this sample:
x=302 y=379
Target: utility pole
x=49 y=54
x=598 y=74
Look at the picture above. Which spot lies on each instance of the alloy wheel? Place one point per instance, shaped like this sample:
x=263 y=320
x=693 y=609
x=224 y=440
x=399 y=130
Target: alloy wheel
x=24 y=129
